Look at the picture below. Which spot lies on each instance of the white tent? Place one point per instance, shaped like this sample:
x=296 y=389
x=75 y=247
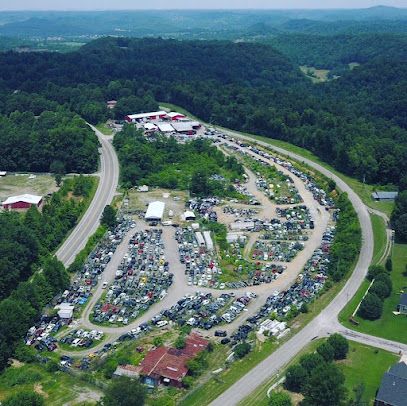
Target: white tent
x=155 y=211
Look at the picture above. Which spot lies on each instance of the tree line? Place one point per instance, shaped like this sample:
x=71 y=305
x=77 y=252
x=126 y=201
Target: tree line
x=26 y=243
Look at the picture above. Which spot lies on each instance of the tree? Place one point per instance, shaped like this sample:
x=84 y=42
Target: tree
x=124 y=392
x=325 y=386
x=242 y=349
x=326 y=351
x=57 y=167
x=380 y=289
x=340 y=345
x=200 y=183
x=385 y=278
x=158 y=341
x=311 y=361
x=295 y=378
x=109 y=217
x=389 y=264
x=24 y=398
x=279 y=399
x=371 y=307
x=374 y=271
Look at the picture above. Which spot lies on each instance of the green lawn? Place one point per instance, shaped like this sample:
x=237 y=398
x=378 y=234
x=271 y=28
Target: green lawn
x=56 y=387
x=103 y=128
x=388 y=326
x=380 y=237
x=354 y=368
x=366 y=365
x=362 y=189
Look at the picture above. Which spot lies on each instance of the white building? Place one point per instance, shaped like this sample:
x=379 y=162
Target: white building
x=154 y=115
x=208 y=240
x=155 y=211
x=165 y=127
x=242 y=225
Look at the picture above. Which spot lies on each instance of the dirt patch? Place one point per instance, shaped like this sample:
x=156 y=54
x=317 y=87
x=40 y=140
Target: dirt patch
x=38 y=389
x=84 y=395
x=15 y=363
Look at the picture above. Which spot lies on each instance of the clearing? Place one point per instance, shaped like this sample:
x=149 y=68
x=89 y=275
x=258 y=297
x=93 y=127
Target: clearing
x=316 y=75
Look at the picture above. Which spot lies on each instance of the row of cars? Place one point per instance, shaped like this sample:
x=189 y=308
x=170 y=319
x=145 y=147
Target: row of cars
x=141 y=279
x=82 y=338
x=271 y=250
x=204 y=207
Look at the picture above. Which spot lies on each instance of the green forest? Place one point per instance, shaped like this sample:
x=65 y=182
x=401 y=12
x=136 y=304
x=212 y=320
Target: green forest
x=357 y=123
x=26 y=244
x=55 y=141
x=169 y=164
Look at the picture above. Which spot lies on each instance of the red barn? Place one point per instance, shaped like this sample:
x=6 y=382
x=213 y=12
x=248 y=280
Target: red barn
x=22 y=202
x=174 y=116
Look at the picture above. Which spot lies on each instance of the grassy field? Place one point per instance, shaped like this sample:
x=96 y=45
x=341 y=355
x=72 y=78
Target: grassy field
x=57 y=388
x=316 y=75
x=389 y=325
x=103 y=128
x=354 y=369
x=17 y=184
x=380 y=238
x=362 y=189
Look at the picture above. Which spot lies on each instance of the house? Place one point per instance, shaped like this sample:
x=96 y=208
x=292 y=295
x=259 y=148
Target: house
x=155 y=115
x=168 y=365
x=111 y=104
x=129 y=371
x=383 y=196
x=155 y=211
x=175 y=116
x=393 y=387
x=22 y=202
x=402 y=306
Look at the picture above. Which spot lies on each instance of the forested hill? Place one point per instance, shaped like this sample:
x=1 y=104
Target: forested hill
x=357 y=123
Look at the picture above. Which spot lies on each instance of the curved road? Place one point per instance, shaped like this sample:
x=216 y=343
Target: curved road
x=327 y=321
x=108 y=181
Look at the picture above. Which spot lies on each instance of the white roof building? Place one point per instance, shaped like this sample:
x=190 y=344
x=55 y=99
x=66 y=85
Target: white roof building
x=140 y=116
x=189 y=215
x=173 y=114
x=182 y=126
x=150 y=127
x=3 y=173
x=26 y=198
x=242 y=225
x=165 y=127
x=199 y=238
x=208 y=240
x=65 y=310
x=155 y=211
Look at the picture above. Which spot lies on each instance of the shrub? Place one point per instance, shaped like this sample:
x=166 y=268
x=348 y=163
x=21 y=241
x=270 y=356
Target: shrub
x=371 y=307
x=340 y=345
x=279 y=399
x=374 y=271
x=242 y=349
x=295 y=378
x=326 y=351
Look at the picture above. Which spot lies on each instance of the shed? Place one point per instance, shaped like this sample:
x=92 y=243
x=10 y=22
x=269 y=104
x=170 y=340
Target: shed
x=189 y=216
x=200 y=239
x=384 y=195
x=150 y=127
x=65 y=311
x=155 y=211
x=22 y=202
x=142 y=188
x=173 y=115
x=3 y=173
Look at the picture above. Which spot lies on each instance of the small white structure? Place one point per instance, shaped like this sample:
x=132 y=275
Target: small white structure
x=143 y=188
x=65 y=311
x=235 y=237
x=3 y=173
x=189 y=216
x=155 y=211
x=150 y=127
x=274 y=327
x=195 y=226
x=165 y=127
x=208 y=240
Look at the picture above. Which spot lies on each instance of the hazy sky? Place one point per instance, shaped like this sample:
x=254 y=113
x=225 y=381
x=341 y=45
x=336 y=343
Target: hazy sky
x=189 y=4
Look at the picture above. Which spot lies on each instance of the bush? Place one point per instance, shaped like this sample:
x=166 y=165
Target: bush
x=371 y=307
x=340 y=345
x=242 y=349
x=374 y=271
x=380 y=289
x=279 y=399
x=389 y=264
x=124 y=392
x=326 y=351
x=188 y=381
x=180 y=342
x=24 y=398
x=385 y=278
x=295 y=378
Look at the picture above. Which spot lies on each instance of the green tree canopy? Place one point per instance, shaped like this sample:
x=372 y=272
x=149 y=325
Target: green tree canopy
x=371 y=307
x=340 y=345
x=124 y=392
x=279 y=399
x=24 y=398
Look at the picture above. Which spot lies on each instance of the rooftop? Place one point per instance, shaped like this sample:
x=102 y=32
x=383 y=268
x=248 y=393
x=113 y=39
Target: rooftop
x=384 y=195
x=393 y=388
x=27 y=198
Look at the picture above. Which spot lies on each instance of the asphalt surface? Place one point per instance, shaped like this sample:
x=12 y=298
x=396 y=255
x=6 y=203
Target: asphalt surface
x=327 y=321
x=108 y=181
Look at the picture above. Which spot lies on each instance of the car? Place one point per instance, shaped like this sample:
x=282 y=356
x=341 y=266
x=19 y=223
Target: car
x=220 y=333
x=225 y=341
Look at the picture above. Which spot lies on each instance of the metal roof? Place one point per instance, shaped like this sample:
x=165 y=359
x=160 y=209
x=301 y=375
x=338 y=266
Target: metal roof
x=146 y=115
x=26 y=198
x=384 y=195
x=393 y=388
x=403 y=299
x=155 y=211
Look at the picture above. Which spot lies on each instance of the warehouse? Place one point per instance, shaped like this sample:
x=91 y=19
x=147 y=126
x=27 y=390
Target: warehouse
x=175 y=116
x=155 y=115
x=22 y=202
x=208 y=240
x=165 y=127
x=155 y=211
x=184 y=127
x=383 y=196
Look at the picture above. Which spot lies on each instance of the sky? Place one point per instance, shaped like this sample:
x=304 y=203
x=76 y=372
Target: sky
x=190 y=4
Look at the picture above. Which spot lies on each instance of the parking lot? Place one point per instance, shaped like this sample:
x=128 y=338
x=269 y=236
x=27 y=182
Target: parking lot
x=141 y=279
x=81 y=338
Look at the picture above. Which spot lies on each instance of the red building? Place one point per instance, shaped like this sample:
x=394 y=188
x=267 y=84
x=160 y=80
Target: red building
x=174 y=116
x=168 y=365
x=22 y=202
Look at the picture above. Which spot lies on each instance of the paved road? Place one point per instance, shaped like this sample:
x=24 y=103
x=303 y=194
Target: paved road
x=108 y=180
x=326 y=322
